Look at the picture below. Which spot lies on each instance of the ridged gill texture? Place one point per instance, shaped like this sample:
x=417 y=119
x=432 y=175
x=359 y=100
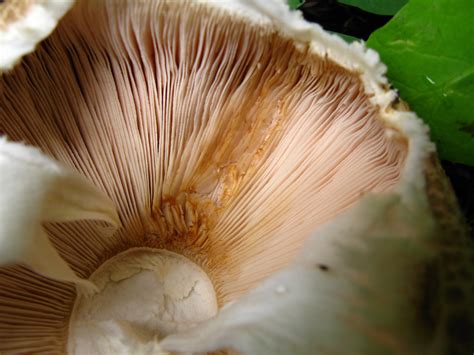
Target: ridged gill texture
x=217 y=139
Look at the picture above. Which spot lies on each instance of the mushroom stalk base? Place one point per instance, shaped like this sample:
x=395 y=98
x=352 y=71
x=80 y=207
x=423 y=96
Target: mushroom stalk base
x=144 y=295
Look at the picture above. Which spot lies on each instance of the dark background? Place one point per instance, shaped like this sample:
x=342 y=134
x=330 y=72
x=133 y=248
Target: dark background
x=355 y=22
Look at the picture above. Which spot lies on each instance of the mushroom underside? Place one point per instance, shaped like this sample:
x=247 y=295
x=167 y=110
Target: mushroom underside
x=218 y=140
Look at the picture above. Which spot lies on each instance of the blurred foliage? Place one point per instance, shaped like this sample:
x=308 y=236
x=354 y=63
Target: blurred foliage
x=380 y=7
x=294 y=4
x=428 y=50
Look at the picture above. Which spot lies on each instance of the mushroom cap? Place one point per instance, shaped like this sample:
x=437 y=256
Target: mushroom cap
x=271 y=154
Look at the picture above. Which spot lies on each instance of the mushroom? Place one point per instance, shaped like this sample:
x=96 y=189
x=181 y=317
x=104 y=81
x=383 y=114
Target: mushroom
x=23 y=23
x=271 y=195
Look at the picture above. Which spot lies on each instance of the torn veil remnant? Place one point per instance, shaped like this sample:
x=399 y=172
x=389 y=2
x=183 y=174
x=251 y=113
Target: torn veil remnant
x=243 y=148
x=36 y=190
x=23 y=23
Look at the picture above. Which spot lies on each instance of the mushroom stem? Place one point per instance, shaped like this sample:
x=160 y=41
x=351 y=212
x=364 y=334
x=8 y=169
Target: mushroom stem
x=144 y=295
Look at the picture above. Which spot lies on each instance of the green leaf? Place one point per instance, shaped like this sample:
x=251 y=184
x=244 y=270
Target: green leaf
x=380 y=7
x=346 y=38
x=294 y=4
x=428 y=49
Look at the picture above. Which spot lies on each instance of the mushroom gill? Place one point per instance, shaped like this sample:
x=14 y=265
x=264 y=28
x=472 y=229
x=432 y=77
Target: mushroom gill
x=218 y=139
